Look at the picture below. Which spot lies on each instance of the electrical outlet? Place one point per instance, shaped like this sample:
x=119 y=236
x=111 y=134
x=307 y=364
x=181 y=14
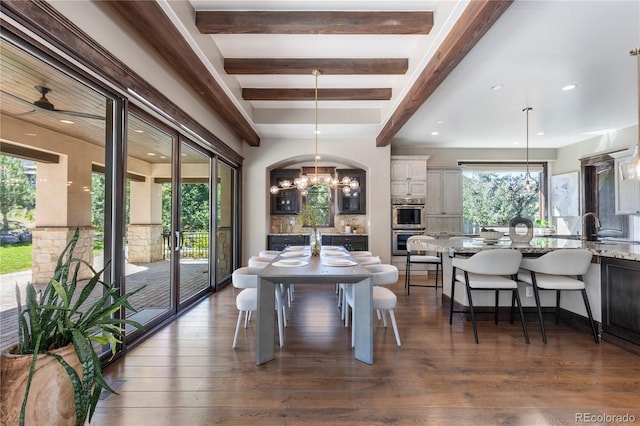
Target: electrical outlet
x=528 y=292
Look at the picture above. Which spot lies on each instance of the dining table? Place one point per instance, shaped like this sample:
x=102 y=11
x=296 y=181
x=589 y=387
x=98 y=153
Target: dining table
x=296 y=265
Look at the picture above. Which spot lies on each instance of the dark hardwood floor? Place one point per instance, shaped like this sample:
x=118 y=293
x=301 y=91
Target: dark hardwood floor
x=187 y=374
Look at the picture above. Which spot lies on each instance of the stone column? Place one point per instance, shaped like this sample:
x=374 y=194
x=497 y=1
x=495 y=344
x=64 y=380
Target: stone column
x=144 y=233
x=63 y=202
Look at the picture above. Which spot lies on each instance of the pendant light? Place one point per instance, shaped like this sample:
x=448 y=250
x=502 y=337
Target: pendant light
x=631 y=168
x=527 y=177
x=304 y=182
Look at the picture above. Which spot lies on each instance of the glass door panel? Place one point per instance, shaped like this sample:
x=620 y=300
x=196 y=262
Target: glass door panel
x=225 y=220
x=195 y=220
x=148 y=219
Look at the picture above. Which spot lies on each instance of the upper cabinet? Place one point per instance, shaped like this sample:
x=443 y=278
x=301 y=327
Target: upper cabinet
x=627 y=190
x=444 y=191
x=355 y=201
x=285 y=202
x=408 y=176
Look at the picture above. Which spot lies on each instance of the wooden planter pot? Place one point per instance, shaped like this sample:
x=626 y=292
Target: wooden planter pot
x=51 y=395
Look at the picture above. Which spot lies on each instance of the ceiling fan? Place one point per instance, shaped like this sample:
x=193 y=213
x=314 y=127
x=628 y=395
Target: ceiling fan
x=43 y=104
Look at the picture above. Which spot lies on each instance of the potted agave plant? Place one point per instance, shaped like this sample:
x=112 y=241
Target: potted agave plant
x=54 y=375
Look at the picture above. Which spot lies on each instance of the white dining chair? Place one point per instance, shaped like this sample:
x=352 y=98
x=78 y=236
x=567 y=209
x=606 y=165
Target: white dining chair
x=558 y=270
x=360 y=253
x=285 y=289
x=419 y=254
x=269 y=254
x=246 y=278
x=384 y=300
x=493 y=269
x=340 y=287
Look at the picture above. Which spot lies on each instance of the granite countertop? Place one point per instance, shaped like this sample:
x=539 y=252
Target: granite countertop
x=541 y=245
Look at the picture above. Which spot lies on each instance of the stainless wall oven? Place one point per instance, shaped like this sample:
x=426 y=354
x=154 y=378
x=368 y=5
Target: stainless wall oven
x=407 y=213
x=399 y=241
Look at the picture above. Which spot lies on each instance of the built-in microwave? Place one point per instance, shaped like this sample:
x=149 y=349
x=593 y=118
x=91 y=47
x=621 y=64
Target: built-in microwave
x=407 y=213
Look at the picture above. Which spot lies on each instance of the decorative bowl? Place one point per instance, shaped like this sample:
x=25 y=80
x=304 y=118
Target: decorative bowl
x=491 y=235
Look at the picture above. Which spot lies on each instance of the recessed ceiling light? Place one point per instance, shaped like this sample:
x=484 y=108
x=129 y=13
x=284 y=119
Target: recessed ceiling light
x=496 y=87
x=439 y=121
x=569 y=87
x=139 y=131
x=435 y=133
x=151 y=154
x=539 y=133
x=515 y=143
x=31 y=134
x=67 y=121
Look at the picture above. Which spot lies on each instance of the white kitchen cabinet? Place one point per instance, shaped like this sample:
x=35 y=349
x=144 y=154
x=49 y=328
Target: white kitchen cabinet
x=444 y=192
x=402 y=169
x=408 y=176
x=443 y=224
x=408 y=188
x=627 y=191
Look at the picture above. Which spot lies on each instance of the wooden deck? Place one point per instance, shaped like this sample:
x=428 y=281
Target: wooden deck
x=154 y=298
x=187 y=374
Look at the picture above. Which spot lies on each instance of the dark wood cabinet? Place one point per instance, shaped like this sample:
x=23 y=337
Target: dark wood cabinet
x=355 y=201
x=350 y=242
x=621 y=299
x=285 y=202
x=280 y=242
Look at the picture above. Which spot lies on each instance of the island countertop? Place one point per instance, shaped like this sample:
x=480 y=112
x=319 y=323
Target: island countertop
x=540 y=245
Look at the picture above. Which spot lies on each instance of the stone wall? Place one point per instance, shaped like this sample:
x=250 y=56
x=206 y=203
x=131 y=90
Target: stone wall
x=48 y=244
x=144 y=243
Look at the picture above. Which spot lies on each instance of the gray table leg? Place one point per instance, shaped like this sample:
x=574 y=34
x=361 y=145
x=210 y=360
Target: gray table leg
x=265 y=321
x=363 y=321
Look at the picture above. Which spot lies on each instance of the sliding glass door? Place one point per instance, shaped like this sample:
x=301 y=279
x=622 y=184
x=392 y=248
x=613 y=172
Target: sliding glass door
x=194 y=240
x=148 y=208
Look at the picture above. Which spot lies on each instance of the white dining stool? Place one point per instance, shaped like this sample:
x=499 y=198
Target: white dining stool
x=246 y=278
x=383 y=299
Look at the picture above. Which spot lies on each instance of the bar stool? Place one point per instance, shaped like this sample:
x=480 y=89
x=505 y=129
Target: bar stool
x=559 y=270
x=417 y=255
x=488 y=270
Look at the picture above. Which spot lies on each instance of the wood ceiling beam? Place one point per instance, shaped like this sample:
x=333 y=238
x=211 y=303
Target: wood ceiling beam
x=154 y=25
x=474 y=22
x=316 y=22
x=327 y=66
x=377 y=94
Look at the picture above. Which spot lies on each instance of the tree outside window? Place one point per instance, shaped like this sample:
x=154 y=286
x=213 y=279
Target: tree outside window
x=494 y=198
x=319 y=198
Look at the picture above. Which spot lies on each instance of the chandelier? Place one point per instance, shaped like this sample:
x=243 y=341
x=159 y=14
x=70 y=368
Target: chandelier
x=304 y=182
x=527 y=177
x=631 y=167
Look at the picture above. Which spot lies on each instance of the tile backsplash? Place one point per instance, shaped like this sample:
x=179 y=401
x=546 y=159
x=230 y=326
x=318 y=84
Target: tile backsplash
x=291 y=224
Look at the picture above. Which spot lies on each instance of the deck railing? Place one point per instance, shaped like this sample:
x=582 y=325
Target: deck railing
x=193 y=244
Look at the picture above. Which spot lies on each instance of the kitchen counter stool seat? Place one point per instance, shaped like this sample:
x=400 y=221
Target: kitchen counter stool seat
x=417 y=254
x=559 y=270
x=495 y=270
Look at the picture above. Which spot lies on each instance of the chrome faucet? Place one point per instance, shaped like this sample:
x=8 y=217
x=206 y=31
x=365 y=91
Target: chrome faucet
x=584 y=223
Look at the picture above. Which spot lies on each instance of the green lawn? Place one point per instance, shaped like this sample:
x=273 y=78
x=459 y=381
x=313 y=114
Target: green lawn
x=15 y=257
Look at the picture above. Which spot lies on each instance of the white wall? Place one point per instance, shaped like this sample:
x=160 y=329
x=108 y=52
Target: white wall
x=271 y=154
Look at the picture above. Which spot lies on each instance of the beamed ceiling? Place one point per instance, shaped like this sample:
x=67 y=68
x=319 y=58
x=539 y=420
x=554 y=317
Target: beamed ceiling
x=405 y=73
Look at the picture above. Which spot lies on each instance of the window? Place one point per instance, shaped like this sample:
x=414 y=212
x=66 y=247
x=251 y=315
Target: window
x=493 y=194
x=319 y=197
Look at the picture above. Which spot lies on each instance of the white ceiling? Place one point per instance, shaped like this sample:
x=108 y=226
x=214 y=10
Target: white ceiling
x=533 y=50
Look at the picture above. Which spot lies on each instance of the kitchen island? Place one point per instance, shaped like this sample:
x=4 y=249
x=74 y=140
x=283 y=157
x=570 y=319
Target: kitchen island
x=612 y=281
